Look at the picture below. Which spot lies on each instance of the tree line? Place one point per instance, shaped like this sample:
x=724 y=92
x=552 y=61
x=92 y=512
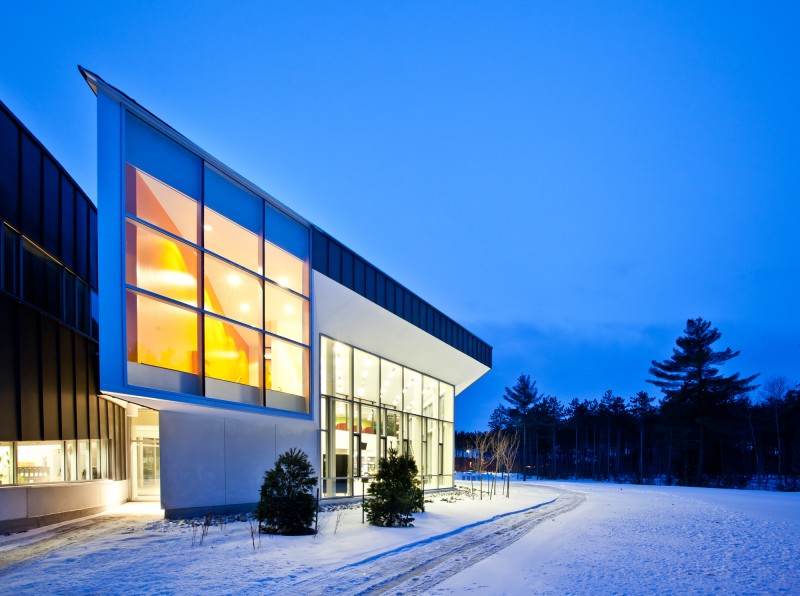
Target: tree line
x=705 y=429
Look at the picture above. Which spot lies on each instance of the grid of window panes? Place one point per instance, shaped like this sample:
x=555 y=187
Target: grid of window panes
x=217 y=284
x=29 y=273
x=44 y=462
x=370 y=404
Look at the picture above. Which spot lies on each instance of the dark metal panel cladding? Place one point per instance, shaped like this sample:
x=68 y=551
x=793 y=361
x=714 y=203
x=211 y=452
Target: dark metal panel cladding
x=51 y=196
x=49 y=339
x=95 y=426
x=81 y=390
x=9 y=368
x=103 y=432
x=9 y=168
x=30 y=387
x=31 y=189
x=66 y=354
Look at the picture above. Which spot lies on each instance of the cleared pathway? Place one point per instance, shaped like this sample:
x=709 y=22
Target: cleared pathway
x=418 y=567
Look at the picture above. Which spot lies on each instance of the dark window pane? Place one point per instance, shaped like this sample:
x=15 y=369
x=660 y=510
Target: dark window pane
x=358 y=274
x=52 y=201
x=9 y=169
x=81 y=236
x=347 y=268
x=10 y=261
x=83 y=308
x=31 y=189
x=335 y=261
x=95 y=315
x=320 y=259
x=161 y=157
x=41 y=280
x=67 y=223
x=70 y=313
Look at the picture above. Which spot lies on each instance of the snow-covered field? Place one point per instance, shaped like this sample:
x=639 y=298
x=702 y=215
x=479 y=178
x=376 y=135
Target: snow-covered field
x=549 y=537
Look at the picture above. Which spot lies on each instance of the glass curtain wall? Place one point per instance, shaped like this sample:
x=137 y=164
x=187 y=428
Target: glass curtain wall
x=369 y=405
x=217 y=282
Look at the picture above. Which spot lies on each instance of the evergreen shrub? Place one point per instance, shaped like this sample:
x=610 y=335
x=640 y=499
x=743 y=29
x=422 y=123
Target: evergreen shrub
x=287 y=505
x=395 y=492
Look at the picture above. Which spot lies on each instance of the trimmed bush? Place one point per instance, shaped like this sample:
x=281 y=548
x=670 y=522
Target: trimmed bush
x=287 y=503
x=395 y=492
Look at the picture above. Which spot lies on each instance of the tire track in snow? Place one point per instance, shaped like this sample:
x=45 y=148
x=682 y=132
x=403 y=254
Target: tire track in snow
x=417 y=567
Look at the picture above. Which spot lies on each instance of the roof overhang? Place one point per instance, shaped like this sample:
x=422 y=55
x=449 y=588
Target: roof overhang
x=342 y=314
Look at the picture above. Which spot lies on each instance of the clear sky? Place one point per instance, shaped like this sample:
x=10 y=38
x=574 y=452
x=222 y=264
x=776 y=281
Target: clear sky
x=570 y=181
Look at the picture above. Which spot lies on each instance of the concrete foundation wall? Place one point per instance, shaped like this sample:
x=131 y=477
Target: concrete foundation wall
x=214 y=463
x=26 y=507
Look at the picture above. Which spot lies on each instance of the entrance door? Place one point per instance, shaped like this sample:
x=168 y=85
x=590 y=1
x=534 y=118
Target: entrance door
x=145 y=465
x=146 y=469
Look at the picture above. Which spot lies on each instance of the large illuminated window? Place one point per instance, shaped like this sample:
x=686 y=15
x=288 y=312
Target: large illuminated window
x=233 y=354
x=160 y=264
x=232 y=292
x=161 y=334
x=370 y=404
x=217 y=281
x=285 y=313
x=154 y=202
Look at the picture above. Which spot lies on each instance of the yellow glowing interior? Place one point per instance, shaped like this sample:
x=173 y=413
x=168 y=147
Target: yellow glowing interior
x=163 y=334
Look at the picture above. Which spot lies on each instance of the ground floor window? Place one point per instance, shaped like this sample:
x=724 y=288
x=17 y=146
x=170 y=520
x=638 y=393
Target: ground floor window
x=42 y=462
x=369 y=405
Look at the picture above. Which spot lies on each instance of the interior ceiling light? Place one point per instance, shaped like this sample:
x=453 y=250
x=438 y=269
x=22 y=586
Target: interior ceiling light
x=208 y=228
x=234 y=280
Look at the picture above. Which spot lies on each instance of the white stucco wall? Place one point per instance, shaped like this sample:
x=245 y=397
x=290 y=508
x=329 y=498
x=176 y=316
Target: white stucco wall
x=59 y=501
x=214 y=460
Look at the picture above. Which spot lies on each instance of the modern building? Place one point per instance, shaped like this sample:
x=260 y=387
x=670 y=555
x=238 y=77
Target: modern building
x=230 y=330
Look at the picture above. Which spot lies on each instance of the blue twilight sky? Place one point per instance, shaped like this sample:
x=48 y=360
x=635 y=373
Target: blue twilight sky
x=570 y=181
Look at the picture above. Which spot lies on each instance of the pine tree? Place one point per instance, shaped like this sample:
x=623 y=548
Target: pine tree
x=395 y=492
x=523 y=396
x=692 y=384
x=287 y=505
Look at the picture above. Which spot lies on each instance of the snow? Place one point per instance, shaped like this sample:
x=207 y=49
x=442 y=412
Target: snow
x=565 y=537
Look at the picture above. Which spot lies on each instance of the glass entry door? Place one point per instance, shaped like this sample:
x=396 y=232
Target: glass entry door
x=145 y=465
x=147 y=471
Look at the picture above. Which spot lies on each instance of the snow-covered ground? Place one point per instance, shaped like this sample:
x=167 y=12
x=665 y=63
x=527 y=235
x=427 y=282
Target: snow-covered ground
x=549 y=537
